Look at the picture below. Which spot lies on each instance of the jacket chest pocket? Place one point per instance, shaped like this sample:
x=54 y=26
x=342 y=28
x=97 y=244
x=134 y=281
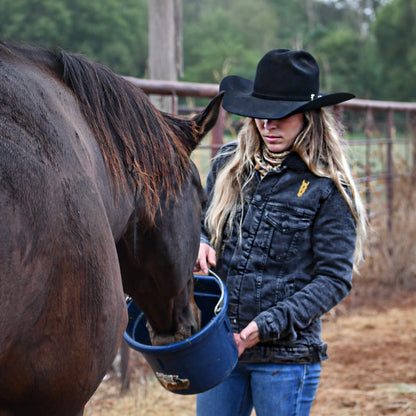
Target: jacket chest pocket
x=288 y=231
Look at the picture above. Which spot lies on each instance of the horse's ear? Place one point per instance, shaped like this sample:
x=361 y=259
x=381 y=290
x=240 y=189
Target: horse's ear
x=206 y=119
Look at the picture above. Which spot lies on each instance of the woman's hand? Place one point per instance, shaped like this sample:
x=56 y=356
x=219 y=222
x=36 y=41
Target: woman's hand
x=206 y=258
x=247 y=338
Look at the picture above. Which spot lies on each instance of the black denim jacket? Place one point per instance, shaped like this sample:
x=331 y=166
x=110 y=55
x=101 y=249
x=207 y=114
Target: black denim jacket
x=293 y=264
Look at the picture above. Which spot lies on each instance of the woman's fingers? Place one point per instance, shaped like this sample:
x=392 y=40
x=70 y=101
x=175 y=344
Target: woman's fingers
x=206 y=258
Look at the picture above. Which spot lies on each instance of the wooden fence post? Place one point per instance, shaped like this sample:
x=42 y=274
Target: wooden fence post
x=217 y=133
x=411 y=125
x=368 y=124
x=390 y=177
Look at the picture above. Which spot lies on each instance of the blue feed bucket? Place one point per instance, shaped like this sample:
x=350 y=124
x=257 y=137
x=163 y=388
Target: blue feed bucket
x=200 y=362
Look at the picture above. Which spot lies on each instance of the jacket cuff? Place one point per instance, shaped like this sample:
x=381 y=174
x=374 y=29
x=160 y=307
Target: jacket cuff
x=204 y=239
x=268 y=328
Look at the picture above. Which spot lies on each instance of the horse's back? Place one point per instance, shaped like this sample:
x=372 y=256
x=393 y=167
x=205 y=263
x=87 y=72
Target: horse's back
x=59 y=275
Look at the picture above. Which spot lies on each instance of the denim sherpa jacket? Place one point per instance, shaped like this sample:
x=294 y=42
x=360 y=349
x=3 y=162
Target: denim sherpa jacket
x=294 y=262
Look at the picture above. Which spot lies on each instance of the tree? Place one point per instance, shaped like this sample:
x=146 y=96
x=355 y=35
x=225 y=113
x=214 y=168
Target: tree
x=230 y=36
x=35 y=21
x=347 y=62
x=363 y=46
x=165 y=46
x=113 y=32
x=223 y=36
x=395 y=32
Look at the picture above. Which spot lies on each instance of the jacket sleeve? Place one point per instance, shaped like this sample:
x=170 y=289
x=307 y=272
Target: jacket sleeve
x=333 y=244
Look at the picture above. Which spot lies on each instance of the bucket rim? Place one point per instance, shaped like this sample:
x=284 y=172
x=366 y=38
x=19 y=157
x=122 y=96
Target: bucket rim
x=187 y=342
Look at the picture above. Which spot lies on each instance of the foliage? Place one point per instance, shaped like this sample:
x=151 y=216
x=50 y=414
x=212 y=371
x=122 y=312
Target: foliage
x=229 y=36
x=223 y=36
x=347 y=63
x=363 y=46
x=395 y=30
x=113 y=32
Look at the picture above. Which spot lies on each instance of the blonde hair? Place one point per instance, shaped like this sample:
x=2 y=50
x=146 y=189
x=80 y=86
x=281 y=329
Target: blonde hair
x=319 y=144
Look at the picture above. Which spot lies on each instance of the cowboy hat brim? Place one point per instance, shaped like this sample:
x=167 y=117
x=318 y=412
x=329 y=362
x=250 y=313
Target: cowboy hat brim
x=239 y=99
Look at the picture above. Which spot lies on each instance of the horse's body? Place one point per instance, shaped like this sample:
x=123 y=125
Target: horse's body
x=96 y=188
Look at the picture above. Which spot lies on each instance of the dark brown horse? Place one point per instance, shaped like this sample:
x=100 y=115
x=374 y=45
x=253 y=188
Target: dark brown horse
x=98 y=197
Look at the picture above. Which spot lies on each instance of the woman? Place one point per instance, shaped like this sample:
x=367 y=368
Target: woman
x=283 y=227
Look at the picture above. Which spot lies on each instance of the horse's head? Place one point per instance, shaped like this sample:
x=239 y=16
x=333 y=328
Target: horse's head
x=147 y=160
x=157 y=262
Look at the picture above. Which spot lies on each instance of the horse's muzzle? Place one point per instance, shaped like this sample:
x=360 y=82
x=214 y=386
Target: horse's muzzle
x=189 y=324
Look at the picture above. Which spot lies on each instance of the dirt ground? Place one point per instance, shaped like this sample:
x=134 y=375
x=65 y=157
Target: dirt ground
x=371 y=340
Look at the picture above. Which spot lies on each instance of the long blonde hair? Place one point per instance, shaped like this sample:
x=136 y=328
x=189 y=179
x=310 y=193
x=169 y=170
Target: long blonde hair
x=319 y=144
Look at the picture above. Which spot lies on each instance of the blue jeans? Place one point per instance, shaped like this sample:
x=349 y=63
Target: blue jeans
x=272 y=389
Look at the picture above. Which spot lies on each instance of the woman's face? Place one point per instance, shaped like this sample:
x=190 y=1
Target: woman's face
x=279 y=135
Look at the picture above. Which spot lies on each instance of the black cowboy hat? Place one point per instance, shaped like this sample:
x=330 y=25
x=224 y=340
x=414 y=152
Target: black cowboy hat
x=286 y=82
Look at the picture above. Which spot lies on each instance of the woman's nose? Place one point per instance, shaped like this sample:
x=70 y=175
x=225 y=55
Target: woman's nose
x=268 y=124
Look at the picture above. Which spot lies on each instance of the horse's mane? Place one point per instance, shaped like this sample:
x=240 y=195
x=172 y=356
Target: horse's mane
x=133 y=136
x=135 y=139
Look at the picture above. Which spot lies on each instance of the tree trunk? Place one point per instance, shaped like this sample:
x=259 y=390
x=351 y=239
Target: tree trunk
x=165 y=46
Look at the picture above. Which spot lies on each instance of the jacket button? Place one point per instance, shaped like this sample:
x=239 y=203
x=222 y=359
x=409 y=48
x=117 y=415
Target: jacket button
x=257 y=197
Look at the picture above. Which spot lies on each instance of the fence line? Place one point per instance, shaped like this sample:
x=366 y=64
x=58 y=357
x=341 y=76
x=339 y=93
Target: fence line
x=365 y=119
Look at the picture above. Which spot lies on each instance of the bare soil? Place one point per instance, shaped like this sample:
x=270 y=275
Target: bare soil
x=371 y=340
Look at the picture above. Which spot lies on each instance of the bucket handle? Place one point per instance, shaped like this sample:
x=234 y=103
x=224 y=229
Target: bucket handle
x=220 y=303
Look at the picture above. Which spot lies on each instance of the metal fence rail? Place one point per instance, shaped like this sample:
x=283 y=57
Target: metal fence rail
x=381 y=136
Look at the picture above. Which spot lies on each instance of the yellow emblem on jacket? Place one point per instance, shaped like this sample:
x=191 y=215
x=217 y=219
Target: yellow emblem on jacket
x=303 y=188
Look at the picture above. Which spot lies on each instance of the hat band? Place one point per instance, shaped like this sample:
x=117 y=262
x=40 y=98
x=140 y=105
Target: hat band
x=311 y=97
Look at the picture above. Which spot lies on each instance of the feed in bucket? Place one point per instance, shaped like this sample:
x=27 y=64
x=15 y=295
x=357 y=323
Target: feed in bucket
x=199 y=362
